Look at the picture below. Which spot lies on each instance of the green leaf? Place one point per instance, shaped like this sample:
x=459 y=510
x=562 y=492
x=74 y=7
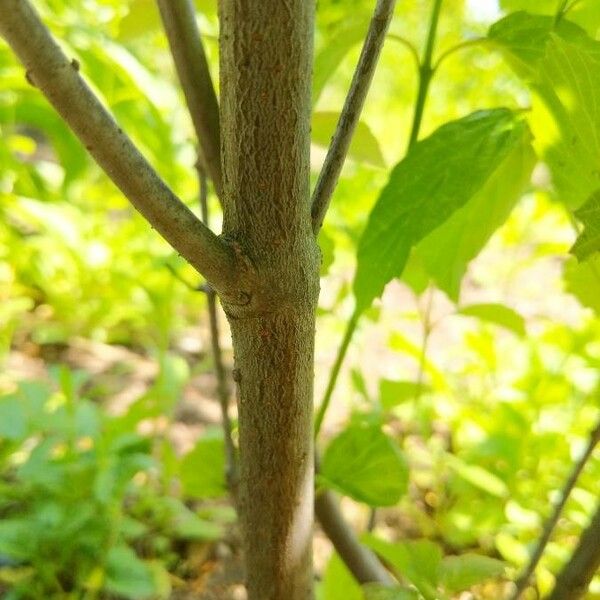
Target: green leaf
x=127 y=575
x=338 y=582
x=562 y=67
x=392 y=393
x=17 y=538
x=327 y=246
x=364 y=147
x=417 y=561
x=375 y=591
x=582 y=279
x=354 y=461
x=447 y=251
x=329 y=58
x=459 y=573
x=589 y=240
x=439 y=176
x=13 y=419
x=499 y=314
x=478 y=476
x=203 y=469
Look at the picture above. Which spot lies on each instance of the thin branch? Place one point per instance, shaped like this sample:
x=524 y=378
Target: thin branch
x=223 y=390
x=58 y=78
x=361 y=562
x=408 y=45
x=550 y=525
x=457 y=48
x=361 y=81
x=573 y=581
x=179 y=21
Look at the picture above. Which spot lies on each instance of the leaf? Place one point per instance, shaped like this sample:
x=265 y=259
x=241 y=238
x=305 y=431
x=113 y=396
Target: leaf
x=439 y=176
x=588 y=241
x=582 y=279
x=364 y=147
x=354 y=461
x=13 y=420
x=392 y=393
x=338 y=582
x=563 y=71
x=329 y=58
x=447 y=251
x=327 y=247
x=478 y=476
x=203 y=469
x=499 y=314
x=459 y=573
x=376 y=591
x=417 y=561
x=17 y=539
x=127 y=575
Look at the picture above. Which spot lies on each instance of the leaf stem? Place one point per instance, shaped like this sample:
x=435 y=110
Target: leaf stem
x=408 y=45
x=335 y=371
x=457 y=48
x=426 y=72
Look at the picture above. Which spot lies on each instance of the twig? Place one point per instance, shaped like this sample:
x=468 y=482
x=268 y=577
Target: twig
x=361 y=81
x=58 y=78
x=408 y=45
x=550 y=525
x=573 y=581
x=179 y=20
x=457 y=48
x=362 y=563
x=426 y=72
x=223 y=390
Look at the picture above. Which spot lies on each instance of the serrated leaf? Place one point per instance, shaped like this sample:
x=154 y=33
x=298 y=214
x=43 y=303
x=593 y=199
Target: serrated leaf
x=460 y=573
x=203 y=468
x=499 y=314
x=417 y=561
x=439 y=176
x=447 y=251
x=356 y=458
x=364 y=147
x=582 y=279
x=588 y=241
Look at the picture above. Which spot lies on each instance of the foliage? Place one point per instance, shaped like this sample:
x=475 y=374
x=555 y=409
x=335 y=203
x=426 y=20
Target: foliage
x=474 y=368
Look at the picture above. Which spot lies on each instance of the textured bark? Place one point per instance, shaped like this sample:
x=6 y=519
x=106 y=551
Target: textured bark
x=266 y=55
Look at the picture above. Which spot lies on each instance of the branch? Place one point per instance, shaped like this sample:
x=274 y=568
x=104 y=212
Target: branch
x=361 y=562
x=573 y=581
x=179 y=20
x=223 y=391
x=550 y=525
x=58 y=78
x=361 y=81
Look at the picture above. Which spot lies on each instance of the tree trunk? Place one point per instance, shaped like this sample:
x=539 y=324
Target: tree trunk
x=266 y=56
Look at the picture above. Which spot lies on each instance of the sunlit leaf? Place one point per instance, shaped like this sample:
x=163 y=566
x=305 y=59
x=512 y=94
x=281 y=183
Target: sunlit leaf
x=478 y=476
x=338 y=582
x=588 y=241
x=364 y=147
x=499 y=314
x=354 y=461
x=439 y=176
x=459 y=573
x=582 y=279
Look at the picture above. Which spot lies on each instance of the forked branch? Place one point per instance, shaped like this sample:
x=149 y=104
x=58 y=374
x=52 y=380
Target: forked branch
x=59 y=80
x=179 y=20
x=361 y=81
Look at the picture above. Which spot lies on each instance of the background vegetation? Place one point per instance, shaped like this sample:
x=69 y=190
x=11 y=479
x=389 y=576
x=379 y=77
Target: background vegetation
x=469 y=388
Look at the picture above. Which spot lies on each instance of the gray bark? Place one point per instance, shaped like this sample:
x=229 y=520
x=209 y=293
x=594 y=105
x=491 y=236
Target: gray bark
x=266 y=56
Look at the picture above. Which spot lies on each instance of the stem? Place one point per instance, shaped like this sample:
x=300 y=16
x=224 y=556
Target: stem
x=457 y=48
x=560 y=11
x=408 y=45
x=355 y=100
x=223 y=391
x=425 y=73
x=335 y=371
x=574 y=580
x=58 y=78
x=179 y=20
x=551 y=523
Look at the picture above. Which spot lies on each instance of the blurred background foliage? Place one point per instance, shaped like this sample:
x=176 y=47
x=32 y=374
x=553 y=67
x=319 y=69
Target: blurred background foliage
x=111 y=460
